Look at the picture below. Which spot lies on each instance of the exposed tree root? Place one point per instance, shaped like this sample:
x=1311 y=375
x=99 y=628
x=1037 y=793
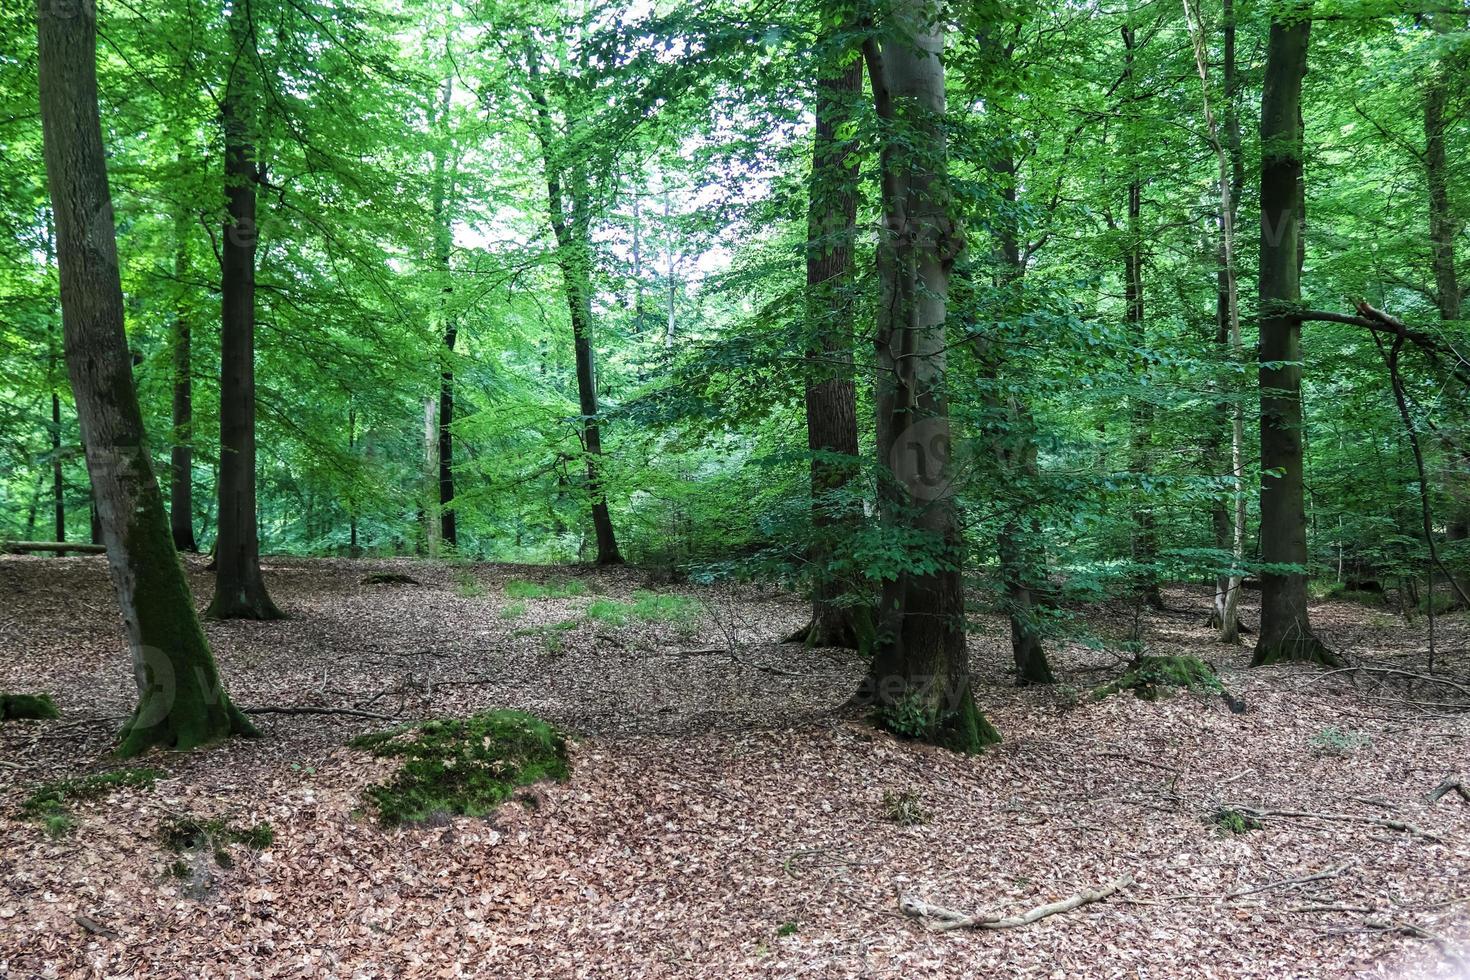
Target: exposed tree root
x=1451 y=784
x=1398 y=825
x=942 y=919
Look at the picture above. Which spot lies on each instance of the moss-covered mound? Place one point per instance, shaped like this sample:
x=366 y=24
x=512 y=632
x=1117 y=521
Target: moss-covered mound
x=465 y=766
x=50 y=803
x=17 y=706
x=1151 y=678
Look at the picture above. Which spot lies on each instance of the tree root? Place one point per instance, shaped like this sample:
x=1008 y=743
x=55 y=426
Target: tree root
x=310 y=710
x=942 y=919
x=1451 y=784
x=1399 y=825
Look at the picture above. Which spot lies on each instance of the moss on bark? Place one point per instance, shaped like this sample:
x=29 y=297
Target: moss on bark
x=14 y=707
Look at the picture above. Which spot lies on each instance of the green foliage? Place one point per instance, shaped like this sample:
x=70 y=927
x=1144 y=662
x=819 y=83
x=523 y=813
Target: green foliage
x=1332 y=741
x=14 y=707
x=552 y=589
x=1151 y=678
x=513 y=610
x=468 y=586
x=1234 y=821
x=787 y=928
x=190 y=834
x=464 y=766
x=649 y=607
x=50 y=802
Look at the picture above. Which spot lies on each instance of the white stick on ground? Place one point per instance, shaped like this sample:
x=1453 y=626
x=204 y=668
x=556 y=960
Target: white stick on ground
x=943 y=919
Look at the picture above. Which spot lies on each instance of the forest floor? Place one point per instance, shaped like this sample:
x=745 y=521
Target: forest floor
x=725 y=815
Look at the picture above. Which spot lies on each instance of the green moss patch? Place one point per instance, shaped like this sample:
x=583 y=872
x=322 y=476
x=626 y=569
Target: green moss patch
x=14 y=707
x=1151 y=678
x=555 y=589
x=50 y=803
x=463 y=766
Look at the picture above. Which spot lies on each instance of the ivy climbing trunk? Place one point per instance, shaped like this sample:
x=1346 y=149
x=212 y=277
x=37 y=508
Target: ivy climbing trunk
x=239 y=588
x=919 y=678
x=1286 y=632
x=181 y=700
x=181 y=462
x=840 y=618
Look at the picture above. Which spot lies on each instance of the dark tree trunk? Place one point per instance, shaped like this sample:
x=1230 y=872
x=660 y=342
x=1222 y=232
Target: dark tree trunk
x=58 y=480
x=1286 y=633
x=1018 y=544
x=920 y=675
x=181 y=700
x=574 y=257
x=181 y=468
x=239 y=590
x=443 y=244
x=839 y=618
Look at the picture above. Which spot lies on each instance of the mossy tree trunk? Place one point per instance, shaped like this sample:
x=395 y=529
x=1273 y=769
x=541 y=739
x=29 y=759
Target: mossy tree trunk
x=831 y=397
x=239 y=590
x=920 y=675
x=1286 y=632
x=181 y=700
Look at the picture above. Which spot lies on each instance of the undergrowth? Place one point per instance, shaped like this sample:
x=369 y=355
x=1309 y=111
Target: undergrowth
x=1151 y=678
x=463 y=766
x=14 y=707
x=50 y=803
x=649 y=607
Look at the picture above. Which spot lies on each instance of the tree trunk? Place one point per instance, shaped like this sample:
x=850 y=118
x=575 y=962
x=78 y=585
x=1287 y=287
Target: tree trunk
x=1140 y=409
x=443 y=244
x=920 y=675
x=181 y=700
x=1286 y=634
x=239 y=589
x=839 y=619
x=574 y=257
x=1445 y=79
x=432 y=524
x=181 y=468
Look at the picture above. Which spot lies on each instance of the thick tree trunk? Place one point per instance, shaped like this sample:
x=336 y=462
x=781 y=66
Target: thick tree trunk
x=239 y=589
x=181 y=468
x=839 y=618
x=920 y=675
x=1286 y=633
x=181 y=700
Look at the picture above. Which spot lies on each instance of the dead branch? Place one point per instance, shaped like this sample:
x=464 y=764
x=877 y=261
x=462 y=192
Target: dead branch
x=1399 y=825
x=1397 y=672
x=1454 y=784
x=310 y=710
x=29 y=546
x=942 y=919
x=1289 y=882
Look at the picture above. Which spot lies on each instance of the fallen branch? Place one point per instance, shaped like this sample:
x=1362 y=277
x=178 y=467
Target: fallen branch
x=18 y=547
x=1290 y=882
x=309 y=710
x=1398 y=825
x=1451 y=783
x=943 y=919
x=1396 y=672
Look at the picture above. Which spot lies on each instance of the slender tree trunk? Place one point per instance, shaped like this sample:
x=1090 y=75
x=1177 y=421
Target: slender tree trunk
x=574 y=256
x=443 y=244
x=239 y=588
x=1140 y=409
x=670 y=325
x=1229 y=533
x=58 y=478
x=839 y=618
x=1286 y=633
x=920 y=674
x=181 y=700
x=181 y=468
x=1018 y=544
x=432 y=524
x=1448 y=294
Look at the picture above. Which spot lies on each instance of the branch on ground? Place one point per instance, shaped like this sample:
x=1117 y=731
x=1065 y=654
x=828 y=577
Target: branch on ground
x=942 y=919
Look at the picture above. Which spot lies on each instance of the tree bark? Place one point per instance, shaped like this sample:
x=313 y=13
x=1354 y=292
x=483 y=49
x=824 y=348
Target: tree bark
x=839 y=618
x=574 y=256
x=181 y=700
x=181 y=462
x=443 y=244
x=1286 y=633
x=239 y=591
x=920 y=675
